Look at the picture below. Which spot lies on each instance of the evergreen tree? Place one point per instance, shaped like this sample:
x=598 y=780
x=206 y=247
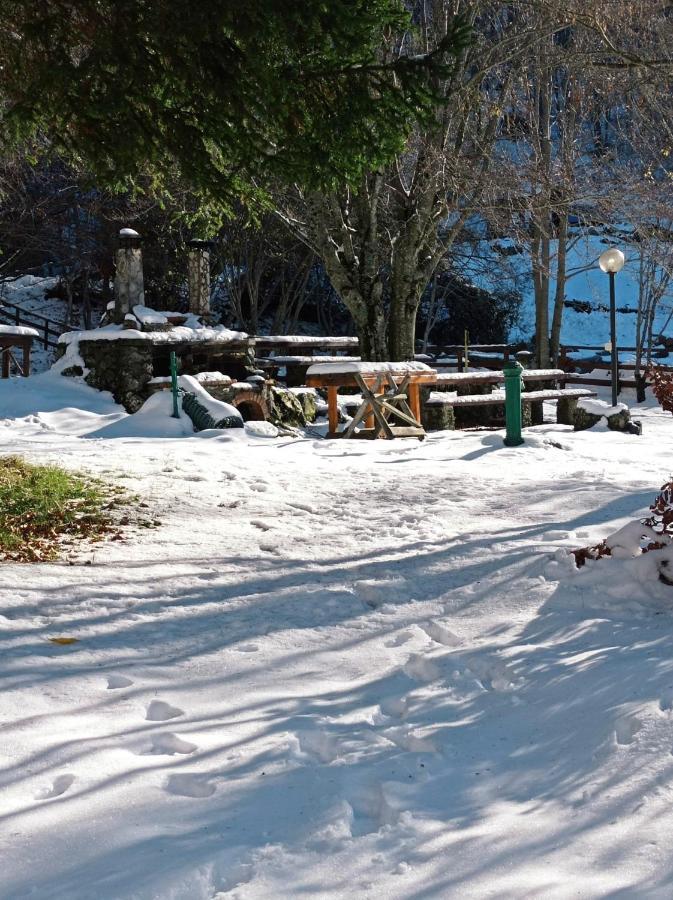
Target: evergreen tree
x=232 y=95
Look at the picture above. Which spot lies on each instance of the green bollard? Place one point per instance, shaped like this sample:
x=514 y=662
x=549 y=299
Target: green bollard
x=513 y=372
x=174 y=384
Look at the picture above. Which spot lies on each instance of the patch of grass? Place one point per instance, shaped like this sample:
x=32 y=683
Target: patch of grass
x=41 y=506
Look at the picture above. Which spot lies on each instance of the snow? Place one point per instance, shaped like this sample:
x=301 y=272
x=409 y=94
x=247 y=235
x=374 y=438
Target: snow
x=147 y=316
x=337 y=669
x=309 y=340
x=218 y=409
x=204 y=377
x=187 y=332
x=307 y=360
x=19 y=330
x=601 y=408
x=368 y=368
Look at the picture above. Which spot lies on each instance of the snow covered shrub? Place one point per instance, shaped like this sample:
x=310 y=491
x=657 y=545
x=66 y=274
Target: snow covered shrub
x=662 y=386
x=636 y=538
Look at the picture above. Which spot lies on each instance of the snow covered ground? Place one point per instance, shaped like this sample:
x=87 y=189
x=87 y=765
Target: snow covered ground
x=337 y=669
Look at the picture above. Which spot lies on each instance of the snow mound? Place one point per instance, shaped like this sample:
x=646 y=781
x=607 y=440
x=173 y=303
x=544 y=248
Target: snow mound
x=218 y=409
x=261 y=429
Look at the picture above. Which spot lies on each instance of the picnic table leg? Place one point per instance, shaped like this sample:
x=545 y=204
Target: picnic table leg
x=381 y=426
x=414 y=394
x=332 y=410
x=5 y=362
x=26 y=360
x=369 y=418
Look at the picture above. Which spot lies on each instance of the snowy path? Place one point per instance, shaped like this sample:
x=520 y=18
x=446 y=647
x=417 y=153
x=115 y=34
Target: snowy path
x=339 y=670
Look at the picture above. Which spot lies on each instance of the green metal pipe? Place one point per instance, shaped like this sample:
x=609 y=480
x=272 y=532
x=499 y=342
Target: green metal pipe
x=174 y=384
x=512 y=371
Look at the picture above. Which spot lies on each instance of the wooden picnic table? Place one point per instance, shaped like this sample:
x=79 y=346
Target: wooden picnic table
x=388 y=390
x=16 y=337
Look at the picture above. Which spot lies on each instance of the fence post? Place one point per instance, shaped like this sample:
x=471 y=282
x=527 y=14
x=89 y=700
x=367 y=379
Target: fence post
x=512 y=371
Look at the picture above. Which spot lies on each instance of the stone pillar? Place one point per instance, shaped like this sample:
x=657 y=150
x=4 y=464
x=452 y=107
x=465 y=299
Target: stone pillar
x=199 y=277
x=129 y=288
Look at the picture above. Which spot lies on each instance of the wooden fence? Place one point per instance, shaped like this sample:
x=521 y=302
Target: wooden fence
x=11 y=314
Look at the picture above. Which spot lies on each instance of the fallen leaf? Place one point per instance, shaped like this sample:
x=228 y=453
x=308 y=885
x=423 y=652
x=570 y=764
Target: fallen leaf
x=63 y=640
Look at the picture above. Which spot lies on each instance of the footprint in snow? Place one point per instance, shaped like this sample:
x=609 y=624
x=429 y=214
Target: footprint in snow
x=407 y=739
x=259 y=486
x=439 y=633
x=160 y=711
x=268 y=547
x=261 y=524
x=626 y=729
x=420 y=669
x=247 y=648
x=402 y=638
x=168 y=744
x=236 y=876
x=394 y=706
x=319 y=745
x=114 y=682
x=558 y=535
x=189 y=785
x=303 y=507
x=58 y=787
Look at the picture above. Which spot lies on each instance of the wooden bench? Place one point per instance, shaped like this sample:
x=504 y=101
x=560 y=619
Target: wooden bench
x=390 y=396
x=438 y=406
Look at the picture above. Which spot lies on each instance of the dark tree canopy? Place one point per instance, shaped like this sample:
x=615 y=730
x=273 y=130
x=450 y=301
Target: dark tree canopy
x=230 y=94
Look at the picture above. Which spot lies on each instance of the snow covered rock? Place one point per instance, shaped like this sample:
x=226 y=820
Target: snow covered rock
x=590 y=412
x=287 y=408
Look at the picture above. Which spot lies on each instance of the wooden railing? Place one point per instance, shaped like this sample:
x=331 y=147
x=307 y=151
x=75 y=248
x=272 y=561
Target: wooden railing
x=11 y=314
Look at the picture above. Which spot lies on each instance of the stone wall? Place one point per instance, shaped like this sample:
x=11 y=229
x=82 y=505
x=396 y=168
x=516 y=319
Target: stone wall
x=125 y=366
x=122 y=367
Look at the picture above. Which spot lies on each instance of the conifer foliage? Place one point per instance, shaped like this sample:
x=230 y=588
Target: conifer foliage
x=230 y=94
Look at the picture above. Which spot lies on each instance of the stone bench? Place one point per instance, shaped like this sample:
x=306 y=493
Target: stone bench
x=439 y=409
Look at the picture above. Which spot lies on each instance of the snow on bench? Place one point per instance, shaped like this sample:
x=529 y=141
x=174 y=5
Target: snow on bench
x=491 y=377
x=438 y=398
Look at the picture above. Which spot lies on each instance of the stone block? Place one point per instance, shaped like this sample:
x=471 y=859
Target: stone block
x=566 y=409
x=438 y=417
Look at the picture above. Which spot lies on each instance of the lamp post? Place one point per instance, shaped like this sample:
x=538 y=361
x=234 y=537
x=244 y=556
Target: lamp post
x=612 y=261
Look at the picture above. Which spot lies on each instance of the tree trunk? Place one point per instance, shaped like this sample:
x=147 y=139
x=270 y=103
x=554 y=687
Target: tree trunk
x=86 y=299
x=402 y=330
x=541 y=288
x=371 y=329
x=559 y=297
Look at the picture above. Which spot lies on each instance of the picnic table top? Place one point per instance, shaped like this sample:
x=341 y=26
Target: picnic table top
x=341 y=342
x=368 y=368
x=9 y=332
x=306 y=360
x=346 y=374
